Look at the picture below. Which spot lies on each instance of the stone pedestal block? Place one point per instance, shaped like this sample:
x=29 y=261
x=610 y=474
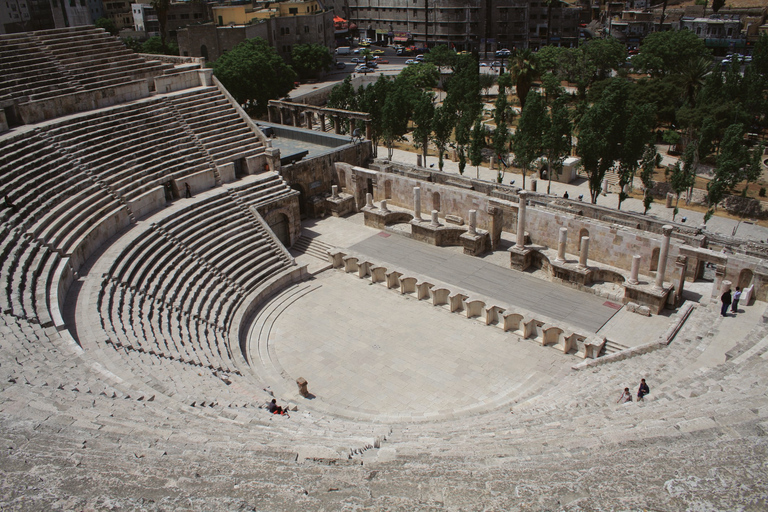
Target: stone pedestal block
x=341 y=205
x=475 y=244
x=645 y=295
x=302 y=383
x=520 y=258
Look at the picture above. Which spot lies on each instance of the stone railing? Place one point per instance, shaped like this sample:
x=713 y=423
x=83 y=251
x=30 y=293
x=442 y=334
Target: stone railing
x=520 y=322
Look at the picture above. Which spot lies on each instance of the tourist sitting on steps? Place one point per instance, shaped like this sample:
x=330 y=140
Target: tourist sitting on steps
x=642 y=390
x=625 y=397
x=276 y=409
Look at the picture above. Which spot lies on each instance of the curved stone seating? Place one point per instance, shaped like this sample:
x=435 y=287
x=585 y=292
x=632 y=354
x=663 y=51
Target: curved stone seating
x=217 y=125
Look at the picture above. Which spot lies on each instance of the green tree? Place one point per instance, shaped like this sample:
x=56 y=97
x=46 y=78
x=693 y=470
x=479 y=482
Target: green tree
x=308 y=60
x=423 y=76
x=735 y=164
x=441 y=56
x=667 y=52
x=423 y=113
x=637 y=134
x=442 y=127
x=556 y=139
x=108 y=25
x=605 y=55
x=464 y=99
x=601 y=133
x=524 y=69
x=155 y=46
x=501 y=115
x=476 y=146
x=371 y=99
x=343 y=95
x=254 y=73
x=692 y=75
x=527 y=142
x=647 y=167
x=486 y=82
x=133 y=44
x=395 y=113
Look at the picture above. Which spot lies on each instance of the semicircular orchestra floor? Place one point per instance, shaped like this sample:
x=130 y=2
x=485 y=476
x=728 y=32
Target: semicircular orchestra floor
x=370 y=353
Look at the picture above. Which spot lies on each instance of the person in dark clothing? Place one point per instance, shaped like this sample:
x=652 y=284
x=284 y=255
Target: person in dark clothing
x=726 y=300
x=276 y=409
x=565 y=196
x=188 y=189
x=642 y=390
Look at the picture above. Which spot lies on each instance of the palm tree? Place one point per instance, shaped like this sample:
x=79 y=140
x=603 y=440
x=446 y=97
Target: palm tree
x=524 y=70
x=692 y=75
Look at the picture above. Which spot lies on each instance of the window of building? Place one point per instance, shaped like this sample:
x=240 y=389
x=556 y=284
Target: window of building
x=293 y=10
x=306 y=29
x=185 y=16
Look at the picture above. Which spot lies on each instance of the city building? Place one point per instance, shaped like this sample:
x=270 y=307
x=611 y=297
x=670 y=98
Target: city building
x=282 y=25
x=180 y=14
x=719 y=32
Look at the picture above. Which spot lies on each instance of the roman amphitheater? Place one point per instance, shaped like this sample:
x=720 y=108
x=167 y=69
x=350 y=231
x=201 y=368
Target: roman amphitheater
x=440 y=342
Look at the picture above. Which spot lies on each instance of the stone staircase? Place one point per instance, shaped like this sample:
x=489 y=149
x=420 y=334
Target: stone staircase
x=312 y=247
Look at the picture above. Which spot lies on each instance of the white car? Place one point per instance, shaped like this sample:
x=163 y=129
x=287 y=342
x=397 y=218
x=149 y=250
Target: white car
x=364 y=69
x=411 y=61
x=503 y=53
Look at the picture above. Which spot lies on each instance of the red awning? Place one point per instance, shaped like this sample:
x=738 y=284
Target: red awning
x=338 y=19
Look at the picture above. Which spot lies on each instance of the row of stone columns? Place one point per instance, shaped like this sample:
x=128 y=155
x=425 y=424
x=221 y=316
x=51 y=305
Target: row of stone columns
x=562 y=239
x=309 y=115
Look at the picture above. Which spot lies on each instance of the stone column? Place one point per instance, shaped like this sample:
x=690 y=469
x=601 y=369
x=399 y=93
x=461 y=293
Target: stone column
x=322 y=122
x=270 y=114
x=417 y=203
x=308 y=115
x=368 y=200
x=496 y=214
x=295 y=117
x=561 y=241
x=583 y=254
x=634 y=273
x=605 y=187
x=368 y=130
x=725 y=286
x=435 y=220
x=335 y=191
x=352 y=124
x=667 y=230
x=521 y=219
x=383 y=206
x=337 y=124
x=472 y=222
x=418 y=160
x=681 y=266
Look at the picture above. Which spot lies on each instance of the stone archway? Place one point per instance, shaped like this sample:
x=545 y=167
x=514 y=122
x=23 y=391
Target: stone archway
x=280 y=225
x=745 y=278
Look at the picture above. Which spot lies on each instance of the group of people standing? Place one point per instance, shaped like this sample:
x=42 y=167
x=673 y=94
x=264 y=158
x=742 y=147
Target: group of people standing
x=726 y=301
x=626 y=396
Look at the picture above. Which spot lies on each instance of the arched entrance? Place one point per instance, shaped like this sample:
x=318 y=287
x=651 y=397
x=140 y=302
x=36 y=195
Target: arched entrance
x=204 y=52
x=280 y=226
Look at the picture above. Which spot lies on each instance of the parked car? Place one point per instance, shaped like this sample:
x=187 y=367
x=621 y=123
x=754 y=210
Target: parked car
x=420 y=58
x=341 y=65
x=362 y=68
x=357 y=60
x=504 y=52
